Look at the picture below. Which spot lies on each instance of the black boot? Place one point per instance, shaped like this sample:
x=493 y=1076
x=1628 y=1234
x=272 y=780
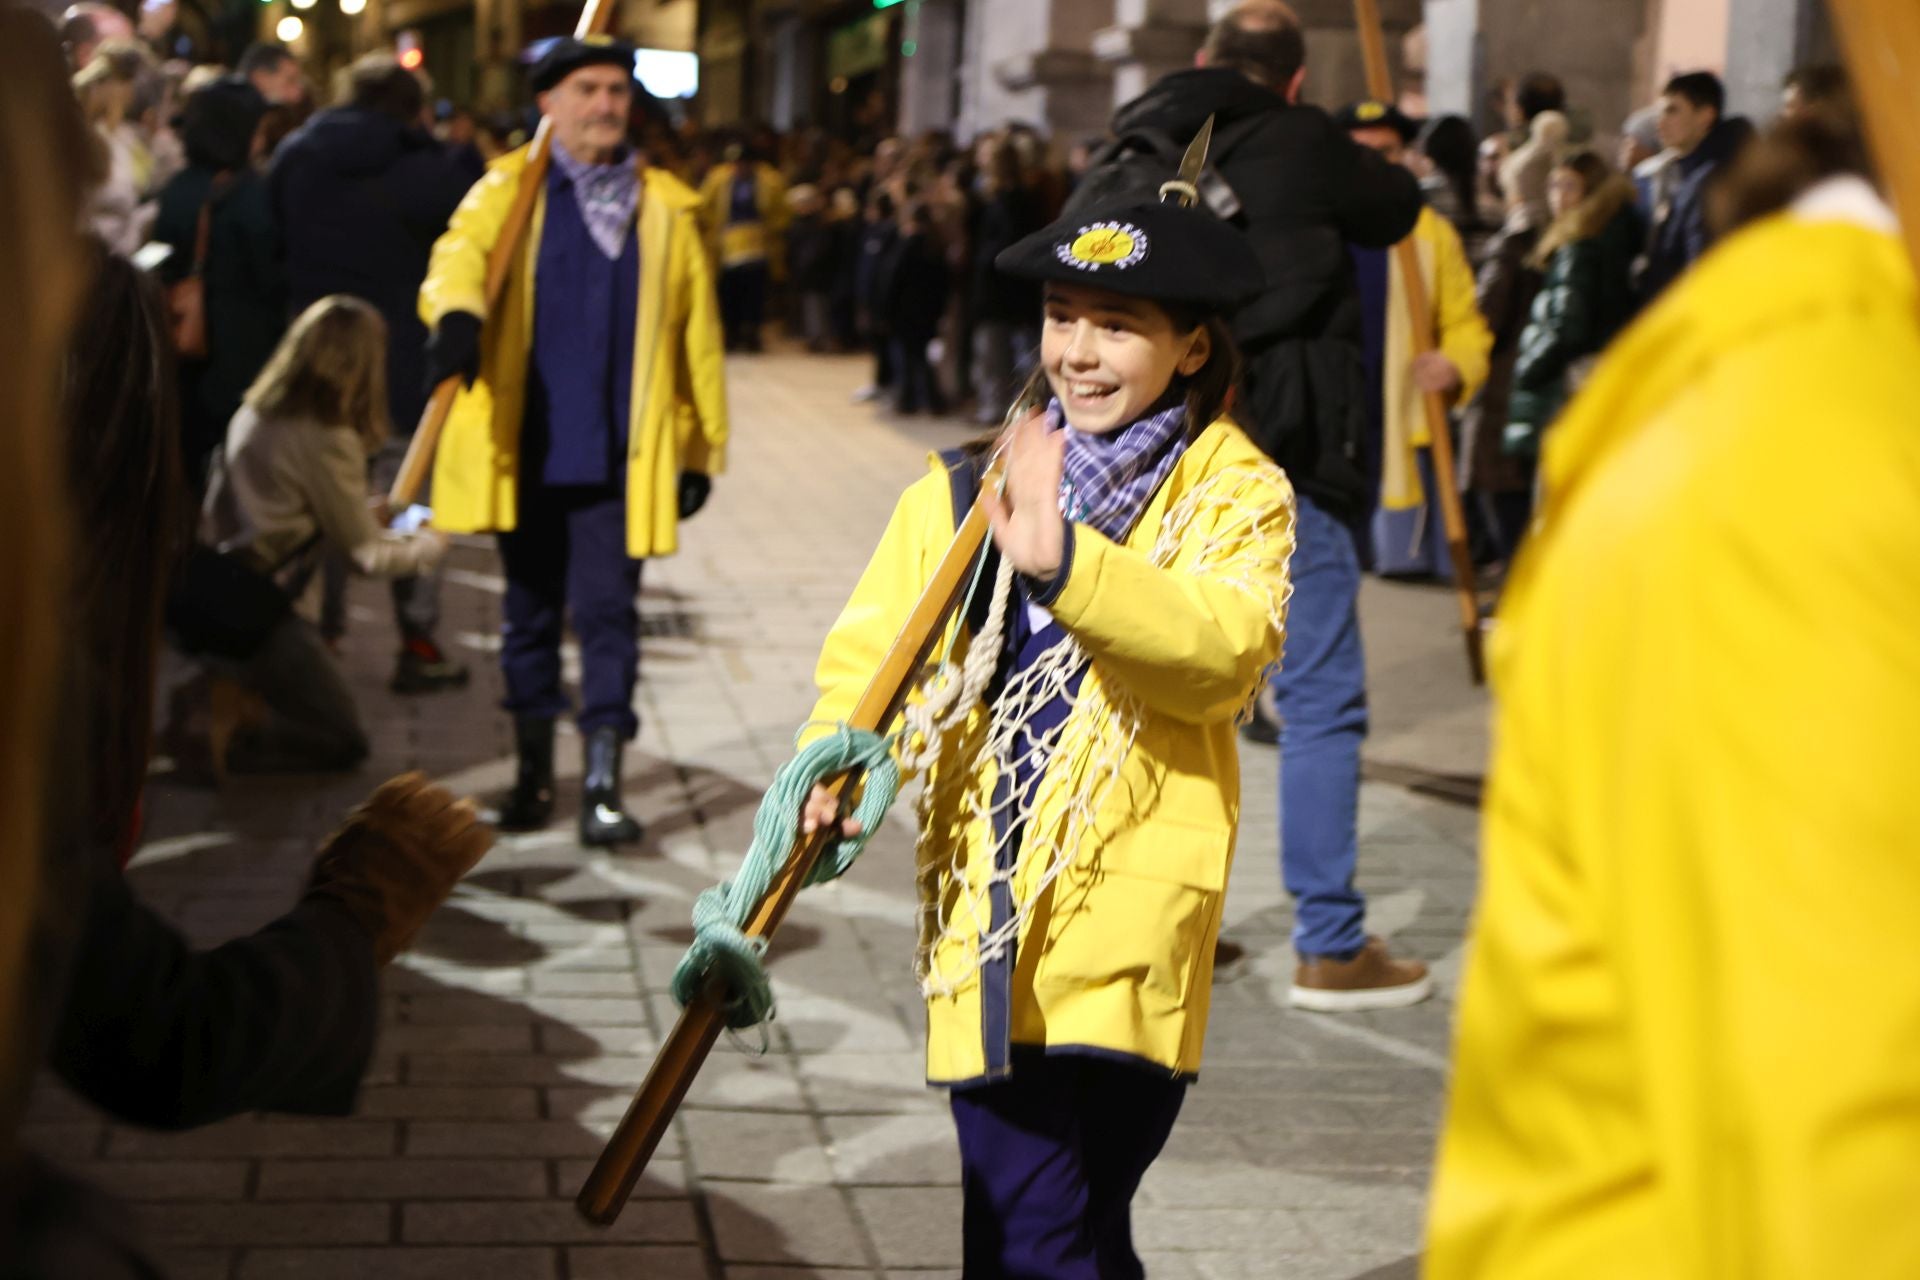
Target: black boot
x=530 y=804
x=602 y=820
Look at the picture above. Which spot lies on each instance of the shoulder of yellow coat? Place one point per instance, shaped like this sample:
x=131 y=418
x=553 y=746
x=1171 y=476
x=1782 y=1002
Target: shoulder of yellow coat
x=1779 y=272
x=512 y=163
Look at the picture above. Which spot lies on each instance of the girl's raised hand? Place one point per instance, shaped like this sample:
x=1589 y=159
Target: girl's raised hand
x=1025 y=512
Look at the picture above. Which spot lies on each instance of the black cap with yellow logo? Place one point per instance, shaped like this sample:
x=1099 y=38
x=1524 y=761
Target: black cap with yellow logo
x=1163 y=251
x=1370 y=113
x=570 y=53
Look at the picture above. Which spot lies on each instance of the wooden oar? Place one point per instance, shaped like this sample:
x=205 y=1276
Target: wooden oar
x=1881 y=40
x=1373 y=50
x=595 y=19
x=645 y=1123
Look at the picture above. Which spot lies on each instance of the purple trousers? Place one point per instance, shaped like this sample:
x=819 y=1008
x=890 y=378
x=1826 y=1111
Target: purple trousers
x=1050 y=1158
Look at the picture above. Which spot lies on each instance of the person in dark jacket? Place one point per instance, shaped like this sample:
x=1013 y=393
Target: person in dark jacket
x=913 y=294
x=878 y=236
x=245 y=281
x=1501 y=483
x=1305 y=192
x=1691 y=125
x=810 y=265
x=1586 y=297
x=1006 y=340
x=361 y=192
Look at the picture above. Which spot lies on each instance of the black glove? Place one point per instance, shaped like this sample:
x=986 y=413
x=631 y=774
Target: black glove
x=453 y=348
x=695 y=487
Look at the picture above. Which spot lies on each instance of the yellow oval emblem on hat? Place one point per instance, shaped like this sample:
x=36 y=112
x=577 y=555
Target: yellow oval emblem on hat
x=1106 y=244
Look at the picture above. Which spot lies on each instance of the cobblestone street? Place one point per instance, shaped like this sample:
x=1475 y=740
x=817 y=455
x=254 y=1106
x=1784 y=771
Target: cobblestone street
x=516 y=1030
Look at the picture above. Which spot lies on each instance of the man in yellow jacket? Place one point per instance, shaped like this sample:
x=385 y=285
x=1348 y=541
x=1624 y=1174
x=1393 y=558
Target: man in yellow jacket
x=594 y=417
x=747 y=216
x=1407 y=533
x=1689 y=1034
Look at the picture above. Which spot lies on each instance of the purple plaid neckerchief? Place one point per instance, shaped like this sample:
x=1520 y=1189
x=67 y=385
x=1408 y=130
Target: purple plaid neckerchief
x=1109 y=479
x=607 y=195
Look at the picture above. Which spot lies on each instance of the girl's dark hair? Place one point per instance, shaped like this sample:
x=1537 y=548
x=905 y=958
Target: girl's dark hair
x=1209 y=392
x=124 y=478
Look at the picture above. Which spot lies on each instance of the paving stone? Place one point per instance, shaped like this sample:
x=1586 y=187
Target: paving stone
x=167 y=1179
x=545 y=1222
x=511 y=1138
x=796 y=1226
x=401 y=1263
x=398 y=1178
x=777 y=1148
x=663 y=1179
x=912 y=1150
x=439 y=1102
x=196 y=1264
x=250 y=1137
x=243 y=1223
x=527 y=1069
x=912 y=1226
x=638 y=1262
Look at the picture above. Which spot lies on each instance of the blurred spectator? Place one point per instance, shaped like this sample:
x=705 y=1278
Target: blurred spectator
x=156 y=102
x=1525 y=171
x=361 y=192
x=1585 y=298
x=1645 y=159
x=292 y=476
x=878 y=236
x=746 y=202
x=85 y=26
x=246 y=289
x=810 y=260
x=1501 y=482
x=845 y=223
x=913 y=292
x=1531 y=95
x=120 y=210
x=274 y=73
x=1006 y=334
x=1443 y=157
x=954 y=204
x=1691 y=126
x=1819 y=86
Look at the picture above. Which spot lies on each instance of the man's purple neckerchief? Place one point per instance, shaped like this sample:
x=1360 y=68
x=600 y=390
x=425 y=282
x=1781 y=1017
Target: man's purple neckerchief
x=607 y=195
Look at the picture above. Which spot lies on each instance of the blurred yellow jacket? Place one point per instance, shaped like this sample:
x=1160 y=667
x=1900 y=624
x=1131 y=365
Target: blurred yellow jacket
x=1180 y=622
x=1688 y=1044
x=679 y=417
x=1462 y=337
x=761 y=239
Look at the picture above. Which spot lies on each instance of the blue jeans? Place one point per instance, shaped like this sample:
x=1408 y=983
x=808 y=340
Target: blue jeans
x=1321 y=694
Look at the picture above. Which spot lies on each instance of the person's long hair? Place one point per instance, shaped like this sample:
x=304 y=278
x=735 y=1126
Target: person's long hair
x=330 y=370
x=1449 y=143
x=124 y=480
x=46 y=166
x=1607 y=193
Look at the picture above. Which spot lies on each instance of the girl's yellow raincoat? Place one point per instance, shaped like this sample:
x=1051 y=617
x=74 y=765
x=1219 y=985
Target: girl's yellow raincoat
x=679 y=383
x=1689 y=1033
x=1117 y=956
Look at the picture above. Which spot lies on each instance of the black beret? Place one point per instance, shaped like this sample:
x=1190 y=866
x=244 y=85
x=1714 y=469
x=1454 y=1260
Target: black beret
x=568 y=54
x=1369 y=113
x=1158 y=250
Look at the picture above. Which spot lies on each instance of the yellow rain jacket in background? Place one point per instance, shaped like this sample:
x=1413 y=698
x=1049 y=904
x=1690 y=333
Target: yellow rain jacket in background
x=679 y=419
x=1118 y=955
x=1462 y=337
x=1688 y=1044
x=760 y=239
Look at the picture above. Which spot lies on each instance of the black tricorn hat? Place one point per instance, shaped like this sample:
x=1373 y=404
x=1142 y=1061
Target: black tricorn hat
x=1170 y=250
x=570 y=53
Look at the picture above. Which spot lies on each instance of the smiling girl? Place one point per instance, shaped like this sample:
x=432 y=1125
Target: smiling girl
x=1078 y=818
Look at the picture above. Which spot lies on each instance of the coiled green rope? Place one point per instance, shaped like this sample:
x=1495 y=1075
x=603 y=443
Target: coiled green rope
x=721 y=949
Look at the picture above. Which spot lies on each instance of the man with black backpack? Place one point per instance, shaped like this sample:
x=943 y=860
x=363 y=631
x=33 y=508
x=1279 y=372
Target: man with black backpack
x=1290 y=177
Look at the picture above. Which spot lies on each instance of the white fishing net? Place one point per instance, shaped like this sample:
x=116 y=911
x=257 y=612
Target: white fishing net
x=1223 y=530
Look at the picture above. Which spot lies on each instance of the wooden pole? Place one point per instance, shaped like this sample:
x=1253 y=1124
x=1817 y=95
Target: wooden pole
x=595 y=19
x=1881 y=41
x=645 y=1123
x=1373 y=50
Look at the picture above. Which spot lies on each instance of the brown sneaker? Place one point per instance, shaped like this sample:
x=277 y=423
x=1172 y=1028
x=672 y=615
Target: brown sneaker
x=1373 y=979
